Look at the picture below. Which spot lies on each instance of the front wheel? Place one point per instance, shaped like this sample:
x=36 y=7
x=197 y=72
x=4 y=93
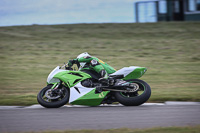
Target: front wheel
x=53 y=98
x=134 y=98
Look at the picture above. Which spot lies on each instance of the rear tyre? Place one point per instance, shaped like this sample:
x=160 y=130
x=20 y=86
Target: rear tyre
x=56 y=101
x=134 y=98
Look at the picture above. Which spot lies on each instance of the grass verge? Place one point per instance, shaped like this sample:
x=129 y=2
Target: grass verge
x=193 y=129
x=170 y=51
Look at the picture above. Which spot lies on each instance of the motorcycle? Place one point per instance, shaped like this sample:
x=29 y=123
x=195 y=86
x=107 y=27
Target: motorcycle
x=66 y=85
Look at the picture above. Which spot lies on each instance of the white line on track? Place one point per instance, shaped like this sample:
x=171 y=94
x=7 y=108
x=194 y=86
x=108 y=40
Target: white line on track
x=37 y=106
x=181 y=103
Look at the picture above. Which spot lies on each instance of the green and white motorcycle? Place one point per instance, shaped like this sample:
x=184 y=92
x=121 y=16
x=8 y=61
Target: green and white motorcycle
x=65 y=85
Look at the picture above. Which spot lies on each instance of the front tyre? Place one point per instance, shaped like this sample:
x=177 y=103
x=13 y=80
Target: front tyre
x=53 y=99
x=134 y=98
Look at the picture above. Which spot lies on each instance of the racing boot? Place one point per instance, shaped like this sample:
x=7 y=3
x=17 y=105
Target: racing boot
x=107 y=81
x=104 y=82
x=98 y=89
x=111 y=81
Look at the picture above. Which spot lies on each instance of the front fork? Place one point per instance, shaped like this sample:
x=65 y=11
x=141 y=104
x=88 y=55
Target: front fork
x=55 y=86
x=55 y=90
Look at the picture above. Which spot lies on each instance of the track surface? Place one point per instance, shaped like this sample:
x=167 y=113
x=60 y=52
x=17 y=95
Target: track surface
x=66 y=118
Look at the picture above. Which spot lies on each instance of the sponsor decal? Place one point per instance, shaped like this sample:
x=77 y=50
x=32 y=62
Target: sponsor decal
x=101 y=61
x=101 y=95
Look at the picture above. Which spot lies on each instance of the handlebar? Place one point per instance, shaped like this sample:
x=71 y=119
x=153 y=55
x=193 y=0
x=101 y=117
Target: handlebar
x=66 y=67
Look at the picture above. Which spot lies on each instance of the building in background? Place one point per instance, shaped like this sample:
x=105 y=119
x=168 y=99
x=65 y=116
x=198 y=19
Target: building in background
x=167 y=10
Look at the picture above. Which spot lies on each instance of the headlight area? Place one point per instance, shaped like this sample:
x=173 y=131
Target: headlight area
x=53 y=80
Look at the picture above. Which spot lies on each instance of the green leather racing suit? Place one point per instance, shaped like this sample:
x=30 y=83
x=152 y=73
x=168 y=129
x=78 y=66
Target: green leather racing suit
x=93 y=63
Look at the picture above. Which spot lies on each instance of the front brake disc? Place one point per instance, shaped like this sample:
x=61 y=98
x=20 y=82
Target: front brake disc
x=49 y=95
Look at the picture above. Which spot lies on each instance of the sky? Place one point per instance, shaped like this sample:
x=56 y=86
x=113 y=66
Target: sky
x=28 y=12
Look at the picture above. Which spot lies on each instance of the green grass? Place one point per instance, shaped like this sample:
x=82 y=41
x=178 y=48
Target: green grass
x=194 y=129
x=170 y=51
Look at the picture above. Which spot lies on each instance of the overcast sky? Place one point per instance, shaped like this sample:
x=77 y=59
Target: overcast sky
x=27 y=12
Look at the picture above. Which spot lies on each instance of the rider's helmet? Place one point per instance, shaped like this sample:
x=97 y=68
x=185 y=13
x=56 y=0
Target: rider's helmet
x=83 y=55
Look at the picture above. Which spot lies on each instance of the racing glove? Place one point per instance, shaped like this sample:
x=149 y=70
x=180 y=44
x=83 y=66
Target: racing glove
x=71 y=62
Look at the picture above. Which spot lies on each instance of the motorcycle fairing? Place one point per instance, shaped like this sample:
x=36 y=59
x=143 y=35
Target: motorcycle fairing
x=71 y=78
x=132 y=72
x=50 y=78
x=80 y=95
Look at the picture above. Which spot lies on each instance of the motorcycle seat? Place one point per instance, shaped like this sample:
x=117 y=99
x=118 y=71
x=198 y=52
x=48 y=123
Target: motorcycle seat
x=116 y=76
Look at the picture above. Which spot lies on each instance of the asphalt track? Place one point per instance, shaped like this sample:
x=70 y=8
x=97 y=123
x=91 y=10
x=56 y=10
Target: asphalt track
x=36 y=118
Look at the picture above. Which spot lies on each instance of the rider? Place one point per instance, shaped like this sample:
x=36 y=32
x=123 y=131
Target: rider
x=88 y=62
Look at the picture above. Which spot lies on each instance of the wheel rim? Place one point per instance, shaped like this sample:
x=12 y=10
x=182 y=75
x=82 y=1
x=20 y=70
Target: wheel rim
x=48 y=97
x=140 y=91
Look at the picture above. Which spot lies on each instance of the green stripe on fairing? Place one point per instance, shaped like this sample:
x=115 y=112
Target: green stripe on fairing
x=137 y=73
x=91 y=99
x=69 y=78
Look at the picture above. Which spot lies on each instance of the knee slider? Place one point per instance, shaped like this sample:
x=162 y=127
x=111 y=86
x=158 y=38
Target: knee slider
x=94 y=62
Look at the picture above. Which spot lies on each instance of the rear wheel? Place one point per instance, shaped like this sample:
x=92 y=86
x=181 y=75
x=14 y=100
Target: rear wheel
x=134 y=98
x=53 y=98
